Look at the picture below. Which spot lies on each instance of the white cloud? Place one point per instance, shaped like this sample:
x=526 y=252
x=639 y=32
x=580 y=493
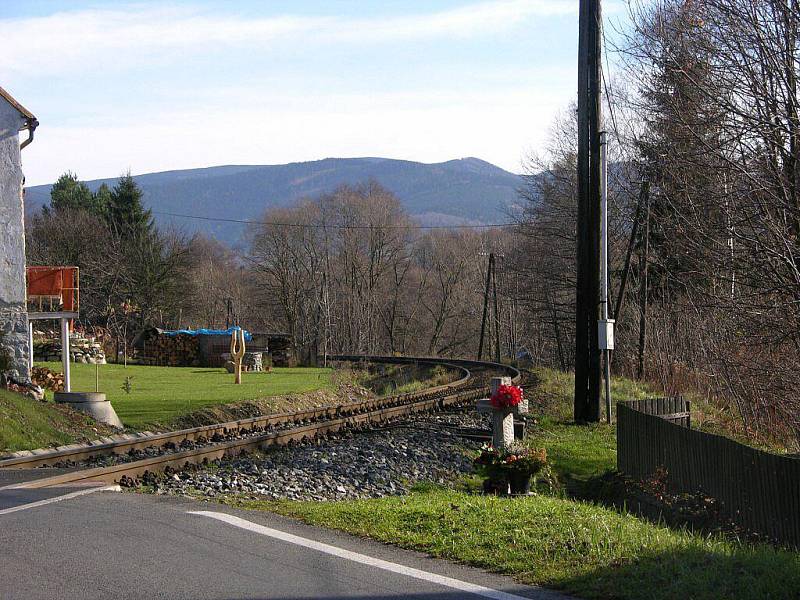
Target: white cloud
x=138 y=34
x=498 y=126
x=101 y=127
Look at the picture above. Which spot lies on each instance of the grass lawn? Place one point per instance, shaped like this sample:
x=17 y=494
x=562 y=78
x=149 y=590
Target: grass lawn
x=26 y=424
x=575 y=452
x=591 y=551
x=555 y=541
x=159 y=394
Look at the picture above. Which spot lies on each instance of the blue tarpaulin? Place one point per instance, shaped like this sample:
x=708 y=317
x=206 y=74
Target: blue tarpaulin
x=226 y=332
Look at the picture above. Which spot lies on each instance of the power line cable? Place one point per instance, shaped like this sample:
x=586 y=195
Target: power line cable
x=335 y=226
x=606 y=87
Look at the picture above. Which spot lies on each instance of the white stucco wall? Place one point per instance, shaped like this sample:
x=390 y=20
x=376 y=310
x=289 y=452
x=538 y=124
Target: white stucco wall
x=13 y=315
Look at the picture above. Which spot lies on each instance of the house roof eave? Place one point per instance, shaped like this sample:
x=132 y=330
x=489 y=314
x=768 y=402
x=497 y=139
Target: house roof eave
x=30 y=119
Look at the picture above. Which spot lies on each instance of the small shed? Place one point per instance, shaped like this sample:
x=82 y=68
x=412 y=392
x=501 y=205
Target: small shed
x=278 y=346
x=206 y=347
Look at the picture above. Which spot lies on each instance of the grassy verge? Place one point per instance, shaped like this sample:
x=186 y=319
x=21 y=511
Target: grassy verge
x=26 y=424
x=160 y=394
x=581 y=548
x=555 y=541
x=388 y=380
x=575 y=452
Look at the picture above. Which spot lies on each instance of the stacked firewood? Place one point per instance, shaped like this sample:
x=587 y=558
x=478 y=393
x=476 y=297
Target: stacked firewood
x=180 y=350
x=280 y=349
x=47 y=379
x=81 y=349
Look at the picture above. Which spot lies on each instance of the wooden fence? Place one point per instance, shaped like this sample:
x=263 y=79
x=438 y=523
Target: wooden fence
x=760 y=491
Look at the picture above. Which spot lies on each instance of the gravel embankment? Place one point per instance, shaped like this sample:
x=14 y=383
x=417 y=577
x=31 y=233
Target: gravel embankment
x=362 y=464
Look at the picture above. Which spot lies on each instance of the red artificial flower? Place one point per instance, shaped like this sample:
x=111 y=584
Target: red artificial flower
x=506 y=396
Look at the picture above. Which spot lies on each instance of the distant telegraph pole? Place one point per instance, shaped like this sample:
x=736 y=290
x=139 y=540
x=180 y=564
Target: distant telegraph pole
x=587 y=307
x=489 y=279
x=496 y=312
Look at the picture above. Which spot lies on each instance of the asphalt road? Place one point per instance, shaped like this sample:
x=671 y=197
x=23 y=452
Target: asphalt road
x=13 y=476
x=108 y=545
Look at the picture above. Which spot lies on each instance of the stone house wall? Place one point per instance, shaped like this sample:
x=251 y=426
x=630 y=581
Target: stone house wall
x=13 y=311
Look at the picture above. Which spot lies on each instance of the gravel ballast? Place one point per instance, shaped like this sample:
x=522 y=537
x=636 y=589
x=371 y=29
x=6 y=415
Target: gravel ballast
x=355 y=464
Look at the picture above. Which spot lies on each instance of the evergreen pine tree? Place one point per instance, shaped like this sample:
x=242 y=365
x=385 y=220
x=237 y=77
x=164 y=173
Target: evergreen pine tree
x=70 y=194
x=126 y=215
x=101 y=200
x=681 y=126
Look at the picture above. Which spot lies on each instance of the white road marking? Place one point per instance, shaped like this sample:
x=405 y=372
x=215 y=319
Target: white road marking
x=13 y=509
x=449 y=582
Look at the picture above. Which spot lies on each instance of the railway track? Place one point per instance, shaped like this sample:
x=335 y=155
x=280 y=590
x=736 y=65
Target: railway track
x=231 y=438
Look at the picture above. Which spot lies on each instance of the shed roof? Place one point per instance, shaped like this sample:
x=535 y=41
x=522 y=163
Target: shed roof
x=29 y=118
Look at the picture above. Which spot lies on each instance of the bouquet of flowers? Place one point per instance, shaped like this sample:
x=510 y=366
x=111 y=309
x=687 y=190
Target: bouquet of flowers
x=509 y=470
x=492 y=461
x=506 y=396
x=489 y=463
x=525 y=461
x=487 y=457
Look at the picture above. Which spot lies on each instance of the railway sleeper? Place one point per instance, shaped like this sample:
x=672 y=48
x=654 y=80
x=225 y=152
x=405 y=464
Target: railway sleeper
x=307 y=425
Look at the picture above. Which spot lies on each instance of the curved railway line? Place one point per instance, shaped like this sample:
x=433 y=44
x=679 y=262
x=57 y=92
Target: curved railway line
x=216 y=441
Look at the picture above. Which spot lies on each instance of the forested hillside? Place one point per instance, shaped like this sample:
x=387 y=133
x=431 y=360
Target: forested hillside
x=461 y=191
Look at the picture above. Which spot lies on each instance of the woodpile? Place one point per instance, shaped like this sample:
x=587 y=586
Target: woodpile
x=181 y=350
x=47 y=379
x=154 y=346
x=280 y=351
x=81 y=349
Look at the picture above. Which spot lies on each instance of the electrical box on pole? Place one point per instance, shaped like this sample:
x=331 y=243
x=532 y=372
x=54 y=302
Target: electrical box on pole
x=605 y=334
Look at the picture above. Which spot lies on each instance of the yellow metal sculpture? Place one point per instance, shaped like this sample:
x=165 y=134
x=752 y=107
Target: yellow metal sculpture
x=237 y=353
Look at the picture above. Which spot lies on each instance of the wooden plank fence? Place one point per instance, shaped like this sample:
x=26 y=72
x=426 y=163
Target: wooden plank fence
x=759 y=490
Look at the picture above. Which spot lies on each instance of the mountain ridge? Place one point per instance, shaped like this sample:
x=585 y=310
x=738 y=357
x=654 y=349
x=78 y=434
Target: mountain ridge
x=467 y=191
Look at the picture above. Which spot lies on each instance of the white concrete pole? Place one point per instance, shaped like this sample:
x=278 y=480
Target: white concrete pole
x=30 y=345
x=65 y=353
x=605 y=344
x=502 y=420
x=603 y=226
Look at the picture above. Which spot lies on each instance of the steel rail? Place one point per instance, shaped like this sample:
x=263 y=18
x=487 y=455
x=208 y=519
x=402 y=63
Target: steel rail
x=324 y=420
x=513 y=372
x=205 y=454
x=239 y=426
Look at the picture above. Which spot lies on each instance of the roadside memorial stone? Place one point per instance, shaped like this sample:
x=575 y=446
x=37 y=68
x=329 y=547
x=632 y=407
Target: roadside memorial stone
x=502 y=411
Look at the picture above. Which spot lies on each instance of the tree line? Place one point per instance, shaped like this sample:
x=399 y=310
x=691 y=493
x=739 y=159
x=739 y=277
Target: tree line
x=705 y=212
x=353 y=274
x=704 y=206
x=131 y=274
x=347 y=271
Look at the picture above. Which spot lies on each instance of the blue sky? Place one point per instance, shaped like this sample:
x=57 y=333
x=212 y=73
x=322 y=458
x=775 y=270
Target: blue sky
x=153 y=86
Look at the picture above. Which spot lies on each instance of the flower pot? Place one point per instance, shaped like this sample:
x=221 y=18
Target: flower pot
x=496 y=482
x=520 y=482
x=495 y=487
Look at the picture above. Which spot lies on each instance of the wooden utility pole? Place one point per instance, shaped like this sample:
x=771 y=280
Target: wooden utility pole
x=581 y=291
x=595 y=127
x=489 y=272
x=587 y=310
x=496 y=314
x=229 y=320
